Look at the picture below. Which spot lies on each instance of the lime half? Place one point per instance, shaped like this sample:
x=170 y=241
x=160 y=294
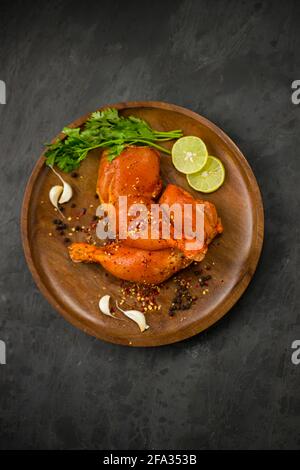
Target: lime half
x=209 y=178
x=189 y=154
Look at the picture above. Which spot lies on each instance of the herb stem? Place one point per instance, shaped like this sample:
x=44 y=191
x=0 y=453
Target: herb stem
x=152 y=144
x=131 y=142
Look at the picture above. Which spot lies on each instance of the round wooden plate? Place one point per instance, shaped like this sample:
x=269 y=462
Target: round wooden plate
x=74 y=289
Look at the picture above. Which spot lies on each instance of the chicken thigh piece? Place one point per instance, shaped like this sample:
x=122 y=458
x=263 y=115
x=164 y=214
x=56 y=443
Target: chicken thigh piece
x=212 y=225
x=135 y=173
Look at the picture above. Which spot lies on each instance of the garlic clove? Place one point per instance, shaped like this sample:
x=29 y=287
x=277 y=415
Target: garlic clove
x=67 y=191
x=137 y=316
x=66 y=194
x=104 y=305
x=54 y=195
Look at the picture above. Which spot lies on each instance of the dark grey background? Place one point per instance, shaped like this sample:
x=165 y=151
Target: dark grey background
x=233 y=386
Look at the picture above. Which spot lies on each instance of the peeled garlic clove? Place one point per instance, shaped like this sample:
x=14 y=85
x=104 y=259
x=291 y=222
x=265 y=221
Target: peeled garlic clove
x=54 y=195
x=104 y=305
x=67 y=191
x=137 y=316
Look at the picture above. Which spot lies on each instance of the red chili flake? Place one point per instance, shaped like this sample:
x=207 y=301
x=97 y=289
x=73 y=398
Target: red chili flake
x=82 y=212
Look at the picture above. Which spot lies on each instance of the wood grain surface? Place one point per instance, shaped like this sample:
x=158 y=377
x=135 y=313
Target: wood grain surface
x=74 y=290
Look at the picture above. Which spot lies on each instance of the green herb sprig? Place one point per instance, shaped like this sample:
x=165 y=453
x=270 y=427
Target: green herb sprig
x=108 y=130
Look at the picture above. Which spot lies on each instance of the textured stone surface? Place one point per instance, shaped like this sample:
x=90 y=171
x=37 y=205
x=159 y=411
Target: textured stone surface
x=233 y=386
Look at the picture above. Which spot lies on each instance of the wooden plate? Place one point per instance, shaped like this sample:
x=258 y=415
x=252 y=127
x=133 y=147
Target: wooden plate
x=74 y=289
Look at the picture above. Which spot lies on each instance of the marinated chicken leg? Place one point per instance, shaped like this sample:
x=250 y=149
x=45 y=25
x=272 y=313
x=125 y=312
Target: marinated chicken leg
x=135 y=174
x=152 y=267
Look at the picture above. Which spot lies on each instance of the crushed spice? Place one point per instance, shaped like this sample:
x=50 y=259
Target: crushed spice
x=145 y=295
x=183 y=299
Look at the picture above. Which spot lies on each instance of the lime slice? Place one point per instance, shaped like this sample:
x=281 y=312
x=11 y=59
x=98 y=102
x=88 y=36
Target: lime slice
x=210 y=178
x=189 y=154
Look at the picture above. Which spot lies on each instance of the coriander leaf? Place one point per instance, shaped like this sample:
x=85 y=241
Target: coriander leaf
x=104 y=129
